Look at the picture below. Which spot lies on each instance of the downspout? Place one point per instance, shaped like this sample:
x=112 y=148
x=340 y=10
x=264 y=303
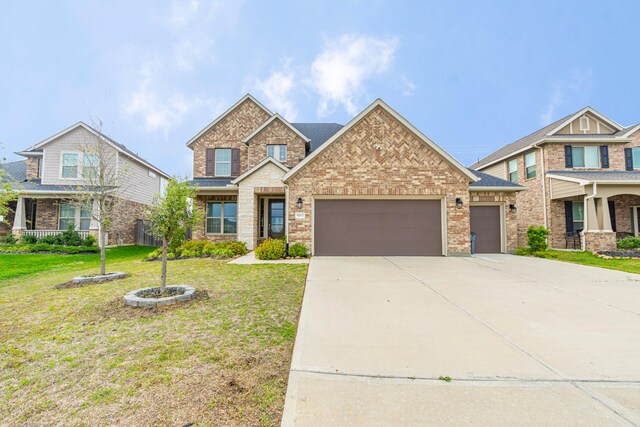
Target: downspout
x=544 y=186
x=586 y=214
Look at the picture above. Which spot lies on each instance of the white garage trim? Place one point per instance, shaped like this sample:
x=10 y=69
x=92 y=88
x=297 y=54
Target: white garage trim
x=503 y=222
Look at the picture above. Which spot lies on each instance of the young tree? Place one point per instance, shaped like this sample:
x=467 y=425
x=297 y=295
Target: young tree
x=170 y=215
x=103 y=184
x=8 y=193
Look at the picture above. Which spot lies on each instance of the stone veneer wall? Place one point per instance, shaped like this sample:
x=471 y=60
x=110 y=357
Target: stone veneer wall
x=277 y=133
x=511 y=220
x=47 y=214
x=32 y=167
x=599 y=241
x=229 y=133
x=379 y=156
x=198 y=231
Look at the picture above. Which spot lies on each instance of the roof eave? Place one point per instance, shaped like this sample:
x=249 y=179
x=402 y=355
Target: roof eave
x=496 y=188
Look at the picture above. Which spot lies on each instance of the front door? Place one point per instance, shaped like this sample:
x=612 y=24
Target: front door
x=276 y=218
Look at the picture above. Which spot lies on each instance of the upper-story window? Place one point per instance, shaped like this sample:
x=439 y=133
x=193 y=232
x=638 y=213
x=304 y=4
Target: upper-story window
x=530 y=164
x=512 y=170
x=585 y=157
x=632 y=158
x=70 y=162
x=222 y=162
x=277 y=151
x=90 y=165
x=39 y=167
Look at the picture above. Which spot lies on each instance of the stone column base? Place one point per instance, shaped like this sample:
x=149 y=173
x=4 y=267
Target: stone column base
x=595 y=241
x=17 y=233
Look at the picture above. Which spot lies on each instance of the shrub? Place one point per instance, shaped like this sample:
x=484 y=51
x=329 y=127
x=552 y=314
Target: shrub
x=10 y=239
x=271 y=249
x=29 y=239
x=628 y=243
x=523 y=251
x=70 y=237
x=89 y=241
x=45 y=247
x=236 y=248
x=298 y=249
x=222 y=252
x=537 y=238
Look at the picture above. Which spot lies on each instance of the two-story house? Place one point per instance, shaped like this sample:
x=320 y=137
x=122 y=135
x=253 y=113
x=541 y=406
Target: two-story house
x=582 y=174
x=56 y=169
x=376 y=186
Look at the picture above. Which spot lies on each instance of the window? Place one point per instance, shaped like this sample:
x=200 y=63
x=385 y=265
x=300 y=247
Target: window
x=530 y=165
x=69 y=165
x=578 y=216
x=584 y=123
x=222 y=217
x=85 y=218
x=39 y=167
x=223 y=162
x=278 y=152
x=513 y=170
x=635 y=156
x=67 y=216
x=90 y=165
x=585 y=157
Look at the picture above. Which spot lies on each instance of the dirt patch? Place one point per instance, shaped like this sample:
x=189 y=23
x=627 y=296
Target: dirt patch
x=71 y=284
x=117 y=309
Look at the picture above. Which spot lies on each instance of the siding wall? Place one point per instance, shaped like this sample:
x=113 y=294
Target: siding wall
x=560 y=189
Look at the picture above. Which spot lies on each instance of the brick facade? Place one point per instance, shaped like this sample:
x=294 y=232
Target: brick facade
x=599 y=241
x=229 y=133
x=378 y=156
x=47 y=214
x=123 y=230
x=198 y=232
x=33 y=167
x=510 y=219
x=277 y=132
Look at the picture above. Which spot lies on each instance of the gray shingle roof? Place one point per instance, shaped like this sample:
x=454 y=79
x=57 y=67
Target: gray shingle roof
x=318 y=133
x=487 y=180
x=210 y=182
x=598 y=175
x=17 y=171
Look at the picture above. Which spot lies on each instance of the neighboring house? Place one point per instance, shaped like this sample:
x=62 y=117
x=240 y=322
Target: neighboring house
x=376 y=186
x=582 y=173
x=53 y=172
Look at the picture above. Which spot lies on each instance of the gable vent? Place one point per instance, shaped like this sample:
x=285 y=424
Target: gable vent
x=584 y=123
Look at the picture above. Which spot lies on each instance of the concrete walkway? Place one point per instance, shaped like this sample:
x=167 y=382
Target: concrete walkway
x=250 y=258
x=526 y=341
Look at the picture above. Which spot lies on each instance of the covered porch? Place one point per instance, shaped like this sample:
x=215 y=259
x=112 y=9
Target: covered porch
x=592 y=210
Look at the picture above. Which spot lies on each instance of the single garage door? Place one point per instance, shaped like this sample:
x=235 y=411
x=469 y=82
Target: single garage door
x=377 y=227
x=485 y=222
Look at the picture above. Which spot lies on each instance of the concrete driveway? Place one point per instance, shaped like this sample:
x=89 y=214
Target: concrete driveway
x=526 y=342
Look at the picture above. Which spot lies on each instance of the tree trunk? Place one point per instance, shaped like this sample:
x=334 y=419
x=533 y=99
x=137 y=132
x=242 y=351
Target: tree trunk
x=103 y=254
x=163 y=275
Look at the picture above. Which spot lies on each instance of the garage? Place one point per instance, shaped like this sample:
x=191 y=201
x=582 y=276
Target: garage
x=378 y=227
x=486 y=224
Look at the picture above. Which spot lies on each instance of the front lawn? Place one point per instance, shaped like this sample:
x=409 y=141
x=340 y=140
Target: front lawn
x=587 y=258
x=80 y=357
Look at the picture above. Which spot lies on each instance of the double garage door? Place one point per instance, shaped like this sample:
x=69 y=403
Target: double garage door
x=378 y=227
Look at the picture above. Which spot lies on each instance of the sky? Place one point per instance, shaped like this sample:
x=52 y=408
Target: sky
x=471 y=75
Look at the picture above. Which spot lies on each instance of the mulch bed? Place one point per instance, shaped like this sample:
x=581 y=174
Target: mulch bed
x=620 y=254
x=117 y=309
x=71 y=284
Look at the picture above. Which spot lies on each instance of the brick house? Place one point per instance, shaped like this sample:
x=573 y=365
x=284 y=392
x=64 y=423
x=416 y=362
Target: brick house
x=582 y=175
x=376 y=186
x=53 y=173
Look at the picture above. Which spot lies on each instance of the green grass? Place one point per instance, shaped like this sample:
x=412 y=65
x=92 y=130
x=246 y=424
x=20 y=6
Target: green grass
x=587 y=258
x=16 y=265
x=80 y=357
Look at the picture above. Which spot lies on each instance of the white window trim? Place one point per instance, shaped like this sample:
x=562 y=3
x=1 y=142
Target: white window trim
x=585 y=157
x=509 y=171
x=77 y=211
x=215 y=161
x=535 y=172
x=206 y=218
x=633 y=157
x=79 y=166
x=279 y=149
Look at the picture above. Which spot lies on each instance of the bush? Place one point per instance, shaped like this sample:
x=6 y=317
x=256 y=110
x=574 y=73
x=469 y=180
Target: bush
x=10 y=239
x=89 y=241
x=537 y=239
x=523 y=252
x=236 y=248
x=199 y=248
x=29 y=239
x=628 y=243
x=298 y=249
x=271 y=249
x=45 y=247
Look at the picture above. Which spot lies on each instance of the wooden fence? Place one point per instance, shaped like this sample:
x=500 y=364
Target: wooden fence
x=145 y=238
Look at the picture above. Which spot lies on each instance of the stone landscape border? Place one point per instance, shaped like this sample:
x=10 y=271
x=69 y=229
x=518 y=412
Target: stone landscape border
x=99 y=277
x=132 y=299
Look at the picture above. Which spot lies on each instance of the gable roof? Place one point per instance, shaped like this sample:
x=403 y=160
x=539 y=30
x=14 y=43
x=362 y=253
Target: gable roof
x=263 y=126
x=260 y=166
x=380 y=103
x=17 y=171
x=490 y=182
x=36 y=149
x=225 y=114
x=318 y=133
x=548 y=132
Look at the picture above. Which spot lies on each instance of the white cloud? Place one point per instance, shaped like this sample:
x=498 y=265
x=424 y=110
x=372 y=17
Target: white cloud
x=339 y=71
x=408 y=86
x=577 y=86
x=277 y=90
x=183 y=12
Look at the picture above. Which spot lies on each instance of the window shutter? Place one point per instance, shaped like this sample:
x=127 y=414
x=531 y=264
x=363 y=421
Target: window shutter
x=604 y=156
x=628 y=159
x=568 y=158
x=210 y=162
x=235 y=162
x=568 y=215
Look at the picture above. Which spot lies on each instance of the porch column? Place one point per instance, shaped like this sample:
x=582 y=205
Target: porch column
x=592 y=215
x=20 y=218
x=606 y=218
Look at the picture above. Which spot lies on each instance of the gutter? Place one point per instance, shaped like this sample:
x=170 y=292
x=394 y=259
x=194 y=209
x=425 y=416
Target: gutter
x=544 y=186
